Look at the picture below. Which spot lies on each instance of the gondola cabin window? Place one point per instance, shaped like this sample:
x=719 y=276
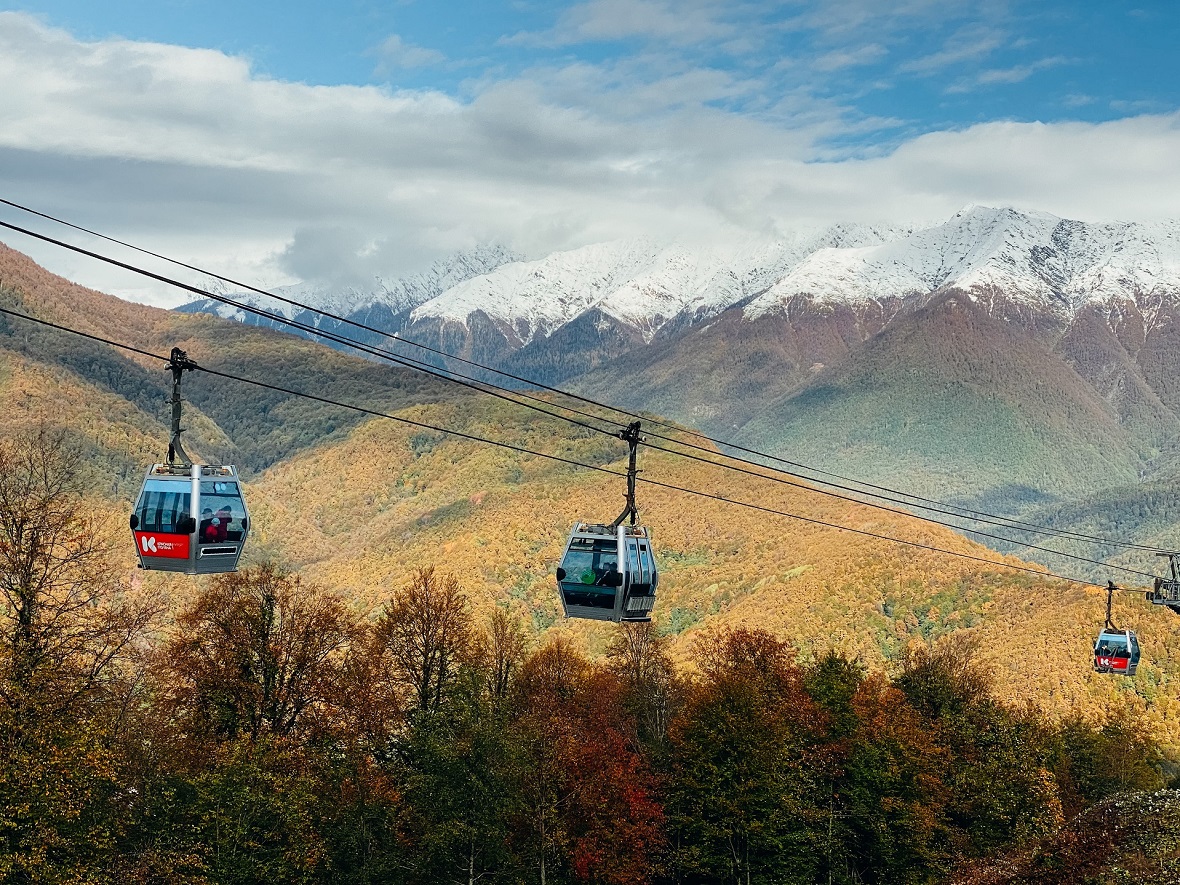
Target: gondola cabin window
x=222 y=512
x=1113 y=650
x=162 y=506
x=588 y=565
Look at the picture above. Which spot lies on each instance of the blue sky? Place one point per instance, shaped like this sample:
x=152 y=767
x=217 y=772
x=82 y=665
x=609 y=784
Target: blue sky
x=894 y=68
x=340 y=141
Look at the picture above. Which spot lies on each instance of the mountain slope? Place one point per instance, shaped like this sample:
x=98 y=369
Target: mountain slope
x=250 y=426
x=389 y=499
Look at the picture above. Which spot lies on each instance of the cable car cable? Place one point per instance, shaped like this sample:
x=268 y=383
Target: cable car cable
x=905 y=513
x=998 y=521
x=281 y=319
x=281 y=298
x=278 y=318
x=844 y=528
x=557 y=458
x=491 y=389
x=314 y=397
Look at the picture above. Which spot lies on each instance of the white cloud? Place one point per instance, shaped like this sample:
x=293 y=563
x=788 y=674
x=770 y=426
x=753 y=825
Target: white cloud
x=191 y=153
x=394 y=52
x=848 y=58
x=1004 y=76
x=968 y=44
x=680 y=23
x=842 y=19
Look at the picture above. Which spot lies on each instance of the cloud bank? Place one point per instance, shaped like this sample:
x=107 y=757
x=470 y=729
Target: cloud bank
x=190 y=152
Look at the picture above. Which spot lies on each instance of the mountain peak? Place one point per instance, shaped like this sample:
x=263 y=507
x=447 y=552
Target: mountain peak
x=636 y=289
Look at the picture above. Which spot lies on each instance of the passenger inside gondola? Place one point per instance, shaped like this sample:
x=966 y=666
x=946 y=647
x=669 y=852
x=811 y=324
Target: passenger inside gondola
x=606 y=575
x=206 y=532
x=225 y=500
x=1113 y=648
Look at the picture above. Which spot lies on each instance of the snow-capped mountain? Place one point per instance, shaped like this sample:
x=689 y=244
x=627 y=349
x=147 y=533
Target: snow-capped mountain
x=640 y=285
x=565 y=314
x=1005 y=359
x=1037 y=258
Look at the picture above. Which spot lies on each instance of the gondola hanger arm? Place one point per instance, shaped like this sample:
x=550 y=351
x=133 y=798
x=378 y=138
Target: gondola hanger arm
x=630 y=436
x=178 y=364
x=1110 y=591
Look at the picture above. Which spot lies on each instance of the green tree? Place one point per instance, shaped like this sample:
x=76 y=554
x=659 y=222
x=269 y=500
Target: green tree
x=1096 y=762
x=1002 y=788
x=461 y=786
x=886 y=800
x=745 y=765
x=638 y=656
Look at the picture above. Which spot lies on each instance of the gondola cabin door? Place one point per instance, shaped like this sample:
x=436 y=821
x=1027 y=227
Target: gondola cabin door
x=590 y=576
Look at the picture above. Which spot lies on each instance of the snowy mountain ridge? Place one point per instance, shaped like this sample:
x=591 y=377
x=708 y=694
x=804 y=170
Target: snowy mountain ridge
x=641 y=284
x=1045 y=261
x=1049 y=263
x=397 y=296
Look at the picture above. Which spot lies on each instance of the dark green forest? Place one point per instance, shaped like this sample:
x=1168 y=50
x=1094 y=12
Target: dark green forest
x=267 y=732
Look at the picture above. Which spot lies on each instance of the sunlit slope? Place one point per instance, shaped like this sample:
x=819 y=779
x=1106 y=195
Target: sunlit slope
x=956 y=404
x=226 y=421
x=361 y=514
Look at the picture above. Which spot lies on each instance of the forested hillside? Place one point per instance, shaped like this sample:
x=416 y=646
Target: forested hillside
x=271 y=733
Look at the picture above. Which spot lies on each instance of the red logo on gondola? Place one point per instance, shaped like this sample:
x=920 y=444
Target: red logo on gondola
x=1112 y=663
x=168 y=546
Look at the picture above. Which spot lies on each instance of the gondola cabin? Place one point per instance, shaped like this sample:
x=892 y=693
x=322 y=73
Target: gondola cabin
x=1166 y=593
x=1116 y=651
x=608 y=573
x=190 y=519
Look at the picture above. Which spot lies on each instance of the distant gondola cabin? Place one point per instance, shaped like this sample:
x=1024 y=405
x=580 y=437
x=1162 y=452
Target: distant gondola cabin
x=1116 y=651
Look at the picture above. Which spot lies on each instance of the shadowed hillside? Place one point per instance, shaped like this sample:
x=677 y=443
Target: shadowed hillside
x=963 y=406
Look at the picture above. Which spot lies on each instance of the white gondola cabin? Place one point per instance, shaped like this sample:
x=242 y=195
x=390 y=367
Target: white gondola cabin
x=608 y=573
